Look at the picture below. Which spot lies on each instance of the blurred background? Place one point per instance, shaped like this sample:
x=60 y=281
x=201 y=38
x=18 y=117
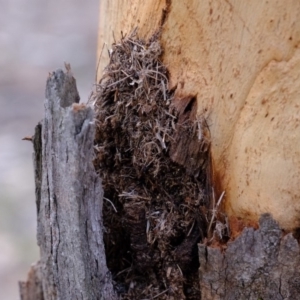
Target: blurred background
x=36 y=36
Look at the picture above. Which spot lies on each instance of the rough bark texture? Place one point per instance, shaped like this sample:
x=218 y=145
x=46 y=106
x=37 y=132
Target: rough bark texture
x=259 y=264
x=241 y=59
x=69 y=201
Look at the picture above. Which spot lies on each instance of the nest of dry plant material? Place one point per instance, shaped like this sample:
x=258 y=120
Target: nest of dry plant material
x=154 y=208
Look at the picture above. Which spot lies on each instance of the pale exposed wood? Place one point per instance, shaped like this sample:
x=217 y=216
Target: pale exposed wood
x=241 y=59
x=123 y=16
x=261 y=264
x=69 y=200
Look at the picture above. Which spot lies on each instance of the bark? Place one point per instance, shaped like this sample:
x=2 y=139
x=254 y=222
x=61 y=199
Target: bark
x=261 y=264
x=69 y=201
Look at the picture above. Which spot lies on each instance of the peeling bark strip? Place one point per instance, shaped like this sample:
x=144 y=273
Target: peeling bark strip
x=72 y=264
x=259 y=264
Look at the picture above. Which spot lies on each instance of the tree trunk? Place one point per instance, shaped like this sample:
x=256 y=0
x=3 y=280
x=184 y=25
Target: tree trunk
x=241 y=61
x=69 y=201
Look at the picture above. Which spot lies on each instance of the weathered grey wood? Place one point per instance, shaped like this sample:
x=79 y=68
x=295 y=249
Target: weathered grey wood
x=69 y=198
x=259 y=264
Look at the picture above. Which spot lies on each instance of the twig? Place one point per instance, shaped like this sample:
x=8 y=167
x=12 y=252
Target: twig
x=116 y=82
x=215 y=210
x=161 y=293
x=111 y=204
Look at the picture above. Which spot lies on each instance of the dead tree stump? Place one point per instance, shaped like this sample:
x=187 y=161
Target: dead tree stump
x=69 y=201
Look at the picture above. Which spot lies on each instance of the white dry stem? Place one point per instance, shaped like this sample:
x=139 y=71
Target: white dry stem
x=116 y=82
x=111 y=204
x=163 y=145
x=191 y=228
x=179 y=269
x=136 y=43
x=131 y=195
x=215 y=210
x=199 y=130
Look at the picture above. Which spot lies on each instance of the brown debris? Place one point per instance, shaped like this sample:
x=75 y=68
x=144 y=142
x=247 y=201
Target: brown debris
x=192 y=139
x=155 y=195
